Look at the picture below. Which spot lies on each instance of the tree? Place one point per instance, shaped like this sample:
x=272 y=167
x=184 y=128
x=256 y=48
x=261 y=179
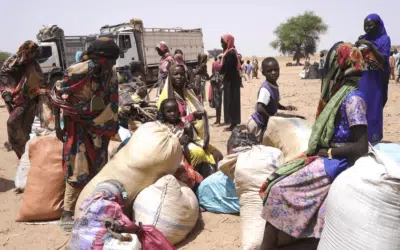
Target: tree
x=299 y=35
x=3 y=57
x=214 y=52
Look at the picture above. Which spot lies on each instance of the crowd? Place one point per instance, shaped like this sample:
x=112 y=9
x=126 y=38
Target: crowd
x=85 y=110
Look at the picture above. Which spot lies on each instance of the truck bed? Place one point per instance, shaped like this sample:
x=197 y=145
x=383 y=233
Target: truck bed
x=190 y=41
x=72 y=45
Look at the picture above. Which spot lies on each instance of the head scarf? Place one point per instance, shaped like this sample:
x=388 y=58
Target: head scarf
x=163 y=47
x=102 y=47
x=230 y=45
x=203 y=58
x=381 y=36
x=344 y=67
x=179 y=60
x=78 y=56
x=25 y=54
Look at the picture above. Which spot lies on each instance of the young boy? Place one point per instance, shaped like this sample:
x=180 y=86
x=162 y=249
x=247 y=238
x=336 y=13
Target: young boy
x=268 y=99
x=248 y=69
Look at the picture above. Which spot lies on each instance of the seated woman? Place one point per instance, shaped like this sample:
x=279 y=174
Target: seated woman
x=201 y=153
x=294 y=195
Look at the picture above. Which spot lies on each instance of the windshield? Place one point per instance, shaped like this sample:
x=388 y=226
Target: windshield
x=45 y=53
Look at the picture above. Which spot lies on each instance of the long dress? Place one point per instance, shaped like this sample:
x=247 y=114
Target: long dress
x=296 y=205
x=232 y=83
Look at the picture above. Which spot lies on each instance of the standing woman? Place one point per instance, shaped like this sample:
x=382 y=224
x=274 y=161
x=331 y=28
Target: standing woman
x=232 y=81
x=375 y=80
x=88 y=97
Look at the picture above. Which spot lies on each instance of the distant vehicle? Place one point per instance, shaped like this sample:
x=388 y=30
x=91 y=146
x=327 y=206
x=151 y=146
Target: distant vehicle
x=57 y=51
x=138 y=45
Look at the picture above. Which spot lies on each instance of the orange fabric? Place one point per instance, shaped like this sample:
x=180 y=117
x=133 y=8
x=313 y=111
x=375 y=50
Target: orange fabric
x=44 y=192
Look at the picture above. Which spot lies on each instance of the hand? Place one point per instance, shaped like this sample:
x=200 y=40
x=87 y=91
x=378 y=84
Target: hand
x=198 y=115
x=60 y=133
x=323 y=152
x=363 y=41
x=7 y=96
x=184 y=140
x=291 y=108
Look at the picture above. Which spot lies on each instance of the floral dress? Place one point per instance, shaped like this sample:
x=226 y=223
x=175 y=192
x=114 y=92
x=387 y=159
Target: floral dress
x=296 y=205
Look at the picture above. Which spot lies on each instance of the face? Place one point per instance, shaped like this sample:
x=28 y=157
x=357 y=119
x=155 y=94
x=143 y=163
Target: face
x=142 y=92
x=178 y=78
x=171 y=111
x=271 y=71
x=223 y=44
x=370 y=27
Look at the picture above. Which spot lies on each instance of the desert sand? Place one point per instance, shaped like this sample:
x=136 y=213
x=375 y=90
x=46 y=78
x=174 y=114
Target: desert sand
x=213 y=231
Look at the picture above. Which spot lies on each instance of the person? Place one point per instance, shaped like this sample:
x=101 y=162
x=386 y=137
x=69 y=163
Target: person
x=249 y=69
x=375 y=80
x=201 y=154
x=24 y=91
x=295 y=193
x=255 y=68
x=88 y=97
x=232 y=81
x=268 y=100
x=217 y=85
x=165 y=63
x=321 y=64
x=397 y=64
x=243 y=70
x=392 y=65
x=201 y=75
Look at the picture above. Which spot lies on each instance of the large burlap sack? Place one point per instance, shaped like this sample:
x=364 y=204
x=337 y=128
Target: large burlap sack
x=44 y=192
x=113 y=148
x=170 y=206
x=363 y=209
x=152 y=152
x=290 y=135
x=252 y=169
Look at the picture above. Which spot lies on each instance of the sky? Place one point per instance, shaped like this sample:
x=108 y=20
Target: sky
x=251 y=22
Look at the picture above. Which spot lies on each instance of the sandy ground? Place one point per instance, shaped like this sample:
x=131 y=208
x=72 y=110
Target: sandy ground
x=213 y=231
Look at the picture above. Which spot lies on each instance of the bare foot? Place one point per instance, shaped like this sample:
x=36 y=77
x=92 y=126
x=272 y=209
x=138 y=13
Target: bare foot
x=66 y=221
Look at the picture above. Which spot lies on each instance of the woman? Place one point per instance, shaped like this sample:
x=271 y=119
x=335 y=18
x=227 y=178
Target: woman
x=232 y=81
x=24 y=91
x=216 y=91
x=375 y=80
x=165 y=63
x=191 y=110
x=88 y=97
x=294 y=195
x=255 y=68
x=201 y=76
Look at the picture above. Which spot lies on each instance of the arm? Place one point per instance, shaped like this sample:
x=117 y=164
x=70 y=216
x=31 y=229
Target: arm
x=288 y=108
x=262 y=109
x=381 y=57
x=59 y=131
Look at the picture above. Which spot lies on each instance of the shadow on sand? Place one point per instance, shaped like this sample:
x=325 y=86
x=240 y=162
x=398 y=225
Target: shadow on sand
x=6 y=185
x=194 y=233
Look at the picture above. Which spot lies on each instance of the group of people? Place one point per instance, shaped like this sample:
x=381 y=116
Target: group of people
x=354 y=92
x=394 y=63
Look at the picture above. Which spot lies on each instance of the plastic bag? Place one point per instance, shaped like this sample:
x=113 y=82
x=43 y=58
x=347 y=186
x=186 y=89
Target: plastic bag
x=153 y=239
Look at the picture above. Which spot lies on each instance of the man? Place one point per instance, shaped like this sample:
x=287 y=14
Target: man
x=392 y=65
x=397 y=64
x=165 y=63
x=23 y=89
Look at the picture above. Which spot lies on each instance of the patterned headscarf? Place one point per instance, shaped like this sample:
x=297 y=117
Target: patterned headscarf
x=163 y=46
x=230 y=45
x=344 y=61
x=25 y=54
x=179 y=60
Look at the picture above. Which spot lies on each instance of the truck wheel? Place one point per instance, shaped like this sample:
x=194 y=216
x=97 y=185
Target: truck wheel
x=53 y=80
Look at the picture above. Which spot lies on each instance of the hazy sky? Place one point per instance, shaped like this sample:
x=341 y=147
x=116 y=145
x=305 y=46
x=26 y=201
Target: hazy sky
x=252 y=22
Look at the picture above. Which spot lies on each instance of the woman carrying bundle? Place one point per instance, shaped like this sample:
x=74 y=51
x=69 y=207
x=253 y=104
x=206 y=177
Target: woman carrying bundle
x=294 y=195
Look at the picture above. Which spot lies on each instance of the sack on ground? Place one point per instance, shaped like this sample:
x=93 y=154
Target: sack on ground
x=390 y=149
x=90 y=232
x=23 y=169
x=362 y=210
x=44 y=192
x=252 y=168
x=217 y=194
x=228 y=164
x=290 y=135
x=170 y=206
x=151 y=153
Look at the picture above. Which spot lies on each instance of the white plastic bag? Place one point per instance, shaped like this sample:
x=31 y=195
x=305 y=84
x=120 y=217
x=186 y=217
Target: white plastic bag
x=23 y=169
x=170 y=206
x=114 y=244
x=363 y=207
x=252 y=169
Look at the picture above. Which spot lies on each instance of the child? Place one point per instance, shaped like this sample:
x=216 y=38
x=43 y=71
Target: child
x=268 y=99
x=248 y=69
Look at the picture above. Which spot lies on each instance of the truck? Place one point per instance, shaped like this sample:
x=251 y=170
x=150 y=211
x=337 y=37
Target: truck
x=57 y=51
x=138 y=45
